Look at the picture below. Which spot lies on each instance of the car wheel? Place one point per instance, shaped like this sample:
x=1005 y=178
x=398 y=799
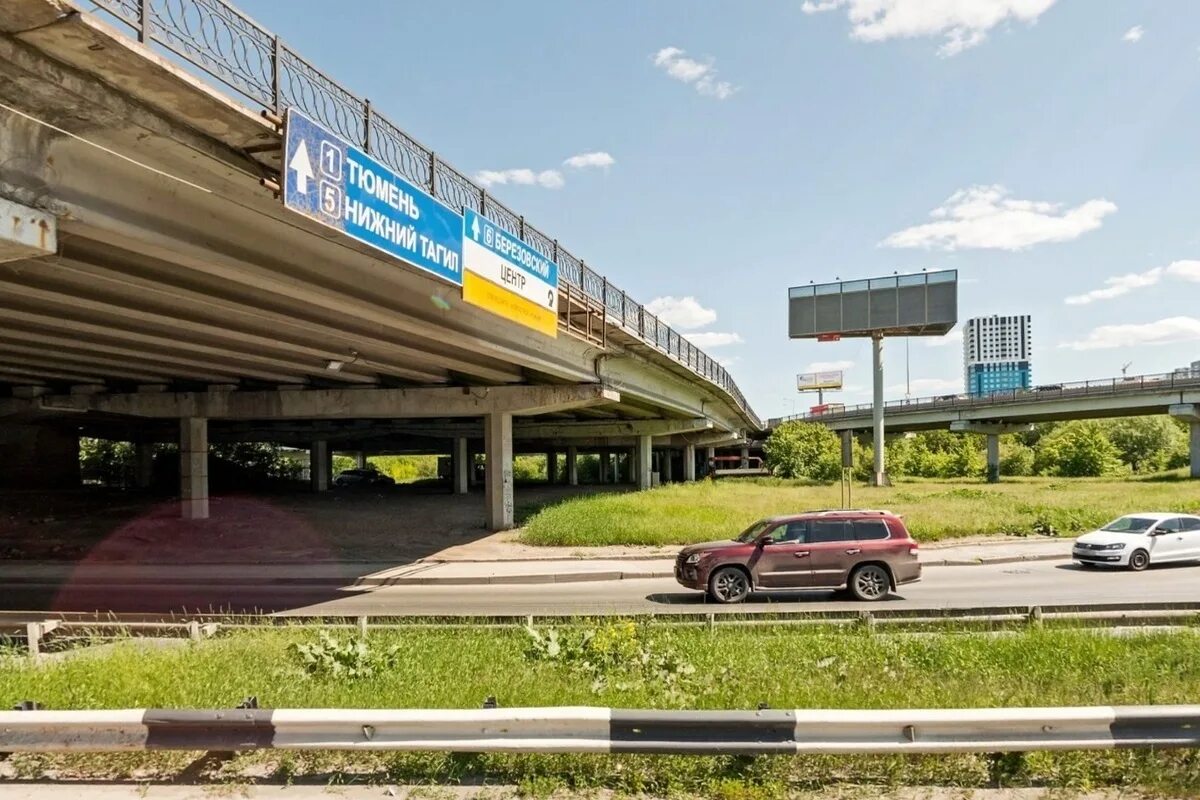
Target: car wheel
x=1139 y=560
x=729 y=585
x=870 y=582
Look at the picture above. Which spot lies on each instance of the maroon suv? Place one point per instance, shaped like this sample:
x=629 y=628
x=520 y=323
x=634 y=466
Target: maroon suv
x=867 y=553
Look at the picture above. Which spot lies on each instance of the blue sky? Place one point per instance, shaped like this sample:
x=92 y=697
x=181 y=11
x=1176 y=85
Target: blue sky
x=1047 y=149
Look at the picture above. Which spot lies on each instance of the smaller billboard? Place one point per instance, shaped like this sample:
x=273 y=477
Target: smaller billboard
x=812 y=381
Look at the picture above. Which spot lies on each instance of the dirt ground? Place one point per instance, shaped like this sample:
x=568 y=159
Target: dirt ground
x=397 y=524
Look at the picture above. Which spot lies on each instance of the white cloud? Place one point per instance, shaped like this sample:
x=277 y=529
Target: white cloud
x=547 y=178
x=829 y=366
x=963 y=23
x=684 y=313
x=712 y=339
x=1124 y=284
x=985 y=217
x=727 y=361
x=954 y=337
x=586 y=160
x=703 y=76
x=1134 y=34
x=1164 y=331
x=1185 y=270
x=1117 y=286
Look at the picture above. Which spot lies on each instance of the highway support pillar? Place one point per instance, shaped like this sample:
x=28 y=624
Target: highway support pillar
x=143 y=464
x=644 y=458
x=572 y=465
x=551 y=466
x=320 y=464
x=710 y=453
x=745 y=458
x=993 y=431
x=605 y=466
x=993 y=458
x=1190 y=412
x=193 y=468
x=668 y=468
x=879 y=475
x=689 y=463
x=360 y=459
x=460 y=464
x=498 y=483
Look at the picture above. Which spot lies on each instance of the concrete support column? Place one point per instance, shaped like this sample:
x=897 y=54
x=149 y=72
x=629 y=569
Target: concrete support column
x=644 y=458
x=320 y=464
x=606 y=463
x=498 y=483
x=460 y=466
x=879 y=473
x=745 y=458
x=668 y=469
x=1194 y=447
x=709 y=454
x=631 y=466
x=360 y=459
x=193 y=468
x=689 y=462
x=993 y=458
x=572 y=466
x=472 y=472
x=552 y=466
x=143 y=464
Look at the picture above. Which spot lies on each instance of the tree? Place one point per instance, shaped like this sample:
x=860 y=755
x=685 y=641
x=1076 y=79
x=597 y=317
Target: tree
x=1148 y=444
x=1077 y=449
x=804 y=450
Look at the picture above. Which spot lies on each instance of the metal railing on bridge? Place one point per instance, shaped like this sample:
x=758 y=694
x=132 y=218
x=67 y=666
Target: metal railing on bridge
x=225 y=44
x=1134 y=384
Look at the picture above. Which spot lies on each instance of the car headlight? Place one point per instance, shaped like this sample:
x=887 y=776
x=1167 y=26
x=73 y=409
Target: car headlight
x=1117 y=546
x=694 y=558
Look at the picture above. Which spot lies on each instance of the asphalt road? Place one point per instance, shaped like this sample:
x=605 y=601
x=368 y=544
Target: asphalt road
x=1029 y=583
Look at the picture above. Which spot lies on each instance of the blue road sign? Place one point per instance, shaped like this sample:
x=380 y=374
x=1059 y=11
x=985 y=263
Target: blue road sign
x=335 y=183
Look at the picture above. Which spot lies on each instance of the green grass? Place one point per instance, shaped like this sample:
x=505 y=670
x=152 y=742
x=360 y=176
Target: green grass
x=934 y=510
x=734 y=668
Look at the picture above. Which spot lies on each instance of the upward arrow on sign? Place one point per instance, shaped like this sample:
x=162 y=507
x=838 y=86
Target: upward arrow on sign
x=303 y=167
x=475 y=229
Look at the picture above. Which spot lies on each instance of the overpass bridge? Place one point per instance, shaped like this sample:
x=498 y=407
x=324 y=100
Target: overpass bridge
x=154 y=288
x=993 y=414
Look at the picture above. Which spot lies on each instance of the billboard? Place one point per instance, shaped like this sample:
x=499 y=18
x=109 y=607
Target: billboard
x=923 y=304
x=812 y=381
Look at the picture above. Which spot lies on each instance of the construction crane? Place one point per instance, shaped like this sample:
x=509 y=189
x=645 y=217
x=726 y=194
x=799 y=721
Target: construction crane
x=1125 y=368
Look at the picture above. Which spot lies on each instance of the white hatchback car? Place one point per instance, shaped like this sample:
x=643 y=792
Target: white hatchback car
x=1138 y=540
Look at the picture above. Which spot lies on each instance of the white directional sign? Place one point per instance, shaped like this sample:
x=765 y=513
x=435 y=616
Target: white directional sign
x=508 y=277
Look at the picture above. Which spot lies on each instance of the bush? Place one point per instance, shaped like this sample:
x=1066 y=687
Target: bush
x=1077 y=449
x=1149 y=444
x=1016 y=459
x=529 y=468
x=804 y=450
x=406 y=469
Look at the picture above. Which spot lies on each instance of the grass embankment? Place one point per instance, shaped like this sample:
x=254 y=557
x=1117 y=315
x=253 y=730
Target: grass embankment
x=675 y=668
x=934 y=510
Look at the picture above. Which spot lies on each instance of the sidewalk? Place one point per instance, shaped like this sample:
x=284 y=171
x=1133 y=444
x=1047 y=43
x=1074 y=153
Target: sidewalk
x=493 y=560
x=451 y=568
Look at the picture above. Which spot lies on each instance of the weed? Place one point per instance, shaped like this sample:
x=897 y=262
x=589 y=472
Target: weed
x=329 y=658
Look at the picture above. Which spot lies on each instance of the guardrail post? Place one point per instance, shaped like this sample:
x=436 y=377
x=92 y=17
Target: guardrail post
x=362 y=626
x=145 y=20
x=433 y=162
x=33 y=638
x=867 y=620
x=275 y=76
x=483 y=202
x=367 y=126
x=1035 y=616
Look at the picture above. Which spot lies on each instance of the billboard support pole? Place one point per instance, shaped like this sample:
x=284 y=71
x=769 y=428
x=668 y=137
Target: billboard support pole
x=879 y=474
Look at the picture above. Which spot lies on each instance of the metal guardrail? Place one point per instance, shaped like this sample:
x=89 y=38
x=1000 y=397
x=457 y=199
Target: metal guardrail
x=225 y=44
x=604 y=730
x=1104 y=387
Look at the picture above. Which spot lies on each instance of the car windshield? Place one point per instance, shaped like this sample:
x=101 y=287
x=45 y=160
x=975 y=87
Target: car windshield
x=754 y=531
x=1129 y=525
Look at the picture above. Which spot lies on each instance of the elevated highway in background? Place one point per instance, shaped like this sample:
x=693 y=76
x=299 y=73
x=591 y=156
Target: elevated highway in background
x=993 y=414
x=153 y=287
